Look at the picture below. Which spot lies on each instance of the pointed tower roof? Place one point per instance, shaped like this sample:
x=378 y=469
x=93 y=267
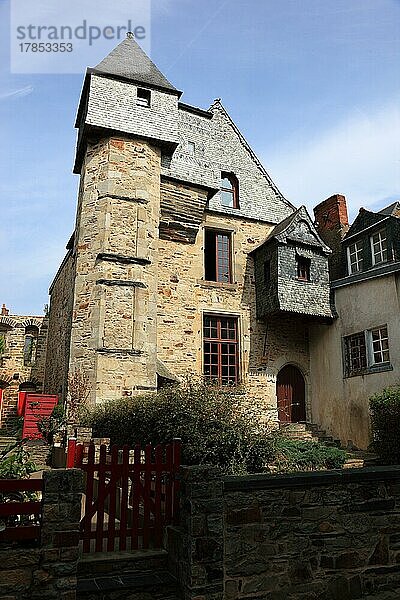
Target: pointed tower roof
x=129 y=61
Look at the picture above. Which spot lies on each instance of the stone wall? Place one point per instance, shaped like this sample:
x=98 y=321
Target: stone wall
x=113 y=337
x=331 y=535
x=184 y=297
x=15 y=373
x=60 y=321
x=49 y=570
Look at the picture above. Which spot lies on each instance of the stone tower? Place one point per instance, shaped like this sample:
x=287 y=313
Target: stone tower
x=127 y=118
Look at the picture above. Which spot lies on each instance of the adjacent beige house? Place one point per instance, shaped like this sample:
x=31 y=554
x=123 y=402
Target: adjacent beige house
x=359 y=354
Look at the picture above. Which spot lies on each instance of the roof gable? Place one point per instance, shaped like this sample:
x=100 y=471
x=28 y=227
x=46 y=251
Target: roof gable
x=364 y=219
x=297 y=228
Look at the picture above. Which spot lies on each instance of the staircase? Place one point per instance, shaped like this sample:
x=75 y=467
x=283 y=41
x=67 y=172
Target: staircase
x=308 y=432
x=139 y=575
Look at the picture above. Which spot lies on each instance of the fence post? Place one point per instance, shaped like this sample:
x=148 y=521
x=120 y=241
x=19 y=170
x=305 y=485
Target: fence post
x=71 y=452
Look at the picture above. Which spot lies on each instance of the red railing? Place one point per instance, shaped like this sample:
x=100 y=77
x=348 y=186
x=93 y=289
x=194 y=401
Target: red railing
x=20 y=517
x=131 y=495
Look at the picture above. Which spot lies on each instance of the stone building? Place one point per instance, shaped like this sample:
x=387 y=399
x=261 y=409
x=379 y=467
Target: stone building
x=185 y=257
x=22 y=359
x=159 y=277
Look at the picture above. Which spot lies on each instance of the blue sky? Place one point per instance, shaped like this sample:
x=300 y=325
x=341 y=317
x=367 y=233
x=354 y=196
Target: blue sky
x=314 y=85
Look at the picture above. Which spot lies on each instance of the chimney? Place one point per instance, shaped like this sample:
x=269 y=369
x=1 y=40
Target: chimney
x=332 y=224
x=4 y=311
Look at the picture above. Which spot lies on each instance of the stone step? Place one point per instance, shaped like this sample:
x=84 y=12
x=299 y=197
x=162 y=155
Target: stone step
x=308 y=432
x=139 y=585
x=119 y=575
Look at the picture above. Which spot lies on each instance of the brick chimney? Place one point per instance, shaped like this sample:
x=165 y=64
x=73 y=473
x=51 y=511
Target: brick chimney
x=4 y=311
x=332 y=224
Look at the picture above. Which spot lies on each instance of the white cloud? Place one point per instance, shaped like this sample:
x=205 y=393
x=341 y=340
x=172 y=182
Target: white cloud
x=25 y=91
x=359 y=157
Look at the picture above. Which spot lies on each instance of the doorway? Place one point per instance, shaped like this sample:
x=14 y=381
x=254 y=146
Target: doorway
x=291 y=395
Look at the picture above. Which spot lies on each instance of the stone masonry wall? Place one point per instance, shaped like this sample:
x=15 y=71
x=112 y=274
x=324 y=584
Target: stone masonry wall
x=48 y=570
x=307 y=536
x=113 y=336
x=184 y=296
x=59 y=338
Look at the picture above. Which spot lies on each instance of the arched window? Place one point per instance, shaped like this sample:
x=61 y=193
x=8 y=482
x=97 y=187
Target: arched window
x=229 y=190
x=30 y=347
x=3 y=338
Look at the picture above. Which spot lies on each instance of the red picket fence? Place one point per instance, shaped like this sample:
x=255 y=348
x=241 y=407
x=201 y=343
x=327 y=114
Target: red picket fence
x=19 y=518
x=131 y=495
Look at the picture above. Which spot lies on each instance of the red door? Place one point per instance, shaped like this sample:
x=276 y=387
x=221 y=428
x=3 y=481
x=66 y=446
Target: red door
x=291 y=395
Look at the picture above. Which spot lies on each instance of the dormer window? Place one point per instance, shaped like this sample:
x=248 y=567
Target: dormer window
x=303 y=268
x=379 y=247
x=229 y=190
x=355 y=258
x=191 y=147
x=143 y=97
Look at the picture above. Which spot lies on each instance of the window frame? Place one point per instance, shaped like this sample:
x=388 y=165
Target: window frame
x=219 y=341
x=369 y=365
x=234 y=190
x=219 y=233
x=359 y=261
x=30 y=352
x=303 y=261
x=382 y=351
x=382 y=250
x=144 y=100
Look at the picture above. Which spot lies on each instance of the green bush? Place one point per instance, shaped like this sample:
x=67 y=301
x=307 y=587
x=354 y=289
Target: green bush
x=212 y=423
x=15 y=462
x=385 y=424
x=215 y=426
x=55 y=423
x=295 y=455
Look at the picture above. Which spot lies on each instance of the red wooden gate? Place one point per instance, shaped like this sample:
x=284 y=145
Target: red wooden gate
x=131 y=495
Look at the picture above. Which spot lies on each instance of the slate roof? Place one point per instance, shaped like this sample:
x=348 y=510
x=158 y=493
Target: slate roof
x=129 y=61
x=392 y=210
x=300 y=214
x=364 y=219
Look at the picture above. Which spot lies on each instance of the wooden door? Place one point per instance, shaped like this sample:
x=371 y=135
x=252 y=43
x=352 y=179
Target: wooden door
x=291 y=395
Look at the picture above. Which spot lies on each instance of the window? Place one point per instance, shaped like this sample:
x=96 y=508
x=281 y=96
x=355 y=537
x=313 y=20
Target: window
x=366 y=350
x=220 y=336
x=191 y=147
x=217 y=256
x=30 y=346
x=379 y=345
x=355 y=354
x=379 y=247
x=143 y=97
x=355 y=258
x=229 y=190
x=3 y=338
x=303 y=268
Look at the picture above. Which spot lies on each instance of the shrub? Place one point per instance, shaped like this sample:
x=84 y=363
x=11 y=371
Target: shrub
x=55 y=423
x=385 y=424
x=215 y=426
x=212 y=422
x=294 y=455
x=15 y=462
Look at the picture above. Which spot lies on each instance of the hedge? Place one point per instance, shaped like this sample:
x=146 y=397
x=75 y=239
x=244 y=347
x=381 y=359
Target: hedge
x=385 y=424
